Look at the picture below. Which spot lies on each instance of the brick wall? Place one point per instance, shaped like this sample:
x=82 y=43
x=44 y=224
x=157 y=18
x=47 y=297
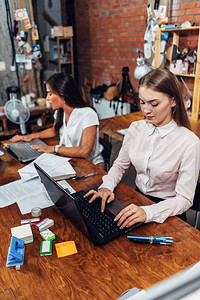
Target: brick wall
x=109 y=33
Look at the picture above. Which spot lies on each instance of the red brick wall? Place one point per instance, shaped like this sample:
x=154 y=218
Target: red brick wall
x=108 y=33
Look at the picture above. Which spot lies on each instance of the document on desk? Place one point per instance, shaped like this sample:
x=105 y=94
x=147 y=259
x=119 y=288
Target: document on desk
x=38 y=196
x=123 y=131
x=56 y=166
x=28 y=194
x=17 y=190
x=9 y=193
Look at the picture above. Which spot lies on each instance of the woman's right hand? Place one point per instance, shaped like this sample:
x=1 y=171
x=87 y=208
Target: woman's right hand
x=104 y=193
x=19 y=138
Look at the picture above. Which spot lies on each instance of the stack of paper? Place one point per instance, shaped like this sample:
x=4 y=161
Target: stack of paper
x=28 y=194
x=23 y=232
x=56 y=166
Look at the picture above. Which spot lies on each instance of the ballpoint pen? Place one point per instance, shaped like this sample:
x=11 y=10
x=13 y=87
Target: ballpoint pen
x=151 y=239
x=83 y=176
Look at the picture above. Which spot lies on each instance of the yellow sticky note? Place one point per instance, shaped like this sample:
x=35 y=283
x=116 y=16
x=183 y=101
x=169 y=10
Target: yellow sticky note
x=66 y=248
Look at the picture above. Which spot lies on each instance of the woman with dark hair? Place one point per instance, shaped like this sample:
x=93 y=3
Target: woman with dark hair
x=163 y=150
x=76 y=123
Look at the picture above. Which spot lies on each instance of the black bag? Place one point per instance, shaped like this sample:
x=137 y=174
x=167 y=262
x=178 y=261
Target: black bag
x=98 y=92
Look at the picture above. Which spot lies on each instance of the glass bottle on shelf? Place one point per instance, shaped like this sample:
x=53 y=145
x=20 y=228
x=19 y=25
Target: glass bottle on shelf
x=185 y=66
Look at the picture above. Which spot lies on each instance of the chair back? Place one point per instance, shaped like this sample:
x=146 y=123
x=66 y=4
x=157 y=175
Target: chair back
x=196 y=201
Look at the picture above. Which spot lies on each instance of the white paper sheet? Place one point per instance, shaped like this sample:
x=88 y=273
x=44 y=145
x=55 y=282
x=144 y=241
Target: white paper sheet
x=66 y=185
x=9 y=193
x=28 y=194
x=18 y=190
x=123 y=131
x=40 y=197
x=38 y=200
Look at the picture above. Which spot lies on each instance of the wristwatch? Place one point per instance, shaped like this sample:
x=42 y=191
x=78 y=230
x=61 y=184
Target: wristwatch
x=56 y=148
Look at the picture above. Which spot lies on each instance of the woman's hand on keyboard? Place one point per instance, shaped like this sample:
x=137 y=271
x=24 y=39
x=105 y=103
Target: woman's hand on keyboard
x=130 y=215
x=45 y=149
x=105 y=194
x=20 y=138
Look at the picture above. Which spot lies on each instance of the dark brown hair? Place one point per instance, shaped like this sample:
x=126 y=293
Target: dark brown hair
x=164 y=81
x=64 y=85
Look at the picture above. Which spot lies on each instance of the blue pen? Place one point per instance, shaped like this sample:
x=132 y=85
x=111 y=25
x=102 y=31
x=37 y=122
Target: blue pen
x=83 y=176
x=151 y=239
x=165 y=237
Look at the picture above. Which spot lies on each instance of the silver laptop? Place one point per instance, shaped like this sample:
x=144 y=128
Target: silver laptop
x=22 y=151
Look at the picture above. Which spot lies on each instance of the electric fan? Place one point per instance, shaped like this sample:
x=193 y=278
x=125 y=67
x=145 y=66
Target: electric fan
x=17 y=113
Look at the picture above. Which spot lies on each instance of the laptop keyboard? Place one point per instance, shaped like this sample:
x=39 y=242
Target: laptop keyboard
x=24 y=150
x=104 y=222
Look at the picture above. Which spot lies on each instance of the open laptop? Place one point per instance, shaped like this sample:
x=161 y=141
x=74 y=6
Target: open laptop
x=98 y=227
x=22 y=151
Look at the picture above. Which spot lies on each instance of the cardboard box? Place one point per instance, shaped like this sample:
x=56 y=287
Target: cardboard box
x=58 y=30
x=68 y=31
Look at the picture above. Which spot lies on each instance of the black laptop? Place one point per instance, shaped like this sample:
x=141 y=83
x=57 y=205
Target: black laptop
x=98 y=227
x=22 y=151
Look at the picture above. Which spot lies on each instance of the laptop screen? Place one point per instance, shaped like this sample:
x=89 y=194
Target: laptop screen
x=63 y=201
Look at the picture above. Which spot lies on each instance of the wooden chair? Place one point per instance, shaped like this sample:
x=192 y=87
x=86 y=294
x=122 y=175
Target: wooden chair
x=107 y=146
x=85 y=89
x=196 y=203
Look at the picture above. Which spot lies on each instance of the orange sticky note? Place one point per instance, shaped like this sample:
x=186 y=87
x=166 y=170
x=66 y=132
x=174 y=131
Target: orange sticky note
x=66 y=248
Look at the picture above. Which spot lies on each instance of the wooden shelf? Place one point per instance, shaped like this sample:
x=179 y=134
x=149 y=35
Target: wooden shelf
x=59 y=62
x=180 y=29
x=176 y=32
x=186 y=75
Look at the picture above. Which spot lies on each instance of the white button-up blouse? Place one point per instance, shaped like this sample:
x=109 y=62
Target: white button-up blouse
x=167 y=161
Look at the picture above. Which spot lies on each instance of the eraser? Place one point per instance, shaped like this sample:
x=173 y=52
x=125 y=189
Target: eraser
x=46 y=248
x=47 y=235
x=44 y=224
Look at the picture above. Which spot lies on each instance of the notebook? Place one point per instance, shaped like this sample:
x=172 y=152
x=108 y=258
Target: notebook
x=22 y=151
x=98 y=227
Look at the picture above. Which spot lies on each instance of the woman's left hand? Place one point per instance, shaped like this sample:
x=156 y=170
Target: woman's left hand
x=45 y=149
x=130 y=215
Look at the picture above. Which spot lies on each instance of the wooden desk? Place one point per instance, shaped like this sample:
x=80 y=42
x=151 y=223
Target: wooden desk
x=110 y=126
x=95 y=272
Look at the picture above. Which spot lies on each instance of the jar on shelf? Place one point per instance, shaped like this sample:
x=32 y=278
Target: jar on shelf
x=185 y=66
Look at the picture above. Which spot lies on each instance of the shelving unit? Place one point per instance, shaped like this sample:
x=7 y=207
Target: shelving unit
x=70 y=62
x=196 y=90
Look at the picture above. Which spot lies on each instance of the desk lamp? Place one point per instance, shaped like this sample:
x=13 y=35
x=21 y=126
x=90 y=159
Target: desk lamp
x=143 y=66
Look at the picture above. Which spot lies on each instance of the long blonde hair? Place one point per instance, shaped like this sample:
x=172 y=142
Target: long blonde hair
x=164 y=81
